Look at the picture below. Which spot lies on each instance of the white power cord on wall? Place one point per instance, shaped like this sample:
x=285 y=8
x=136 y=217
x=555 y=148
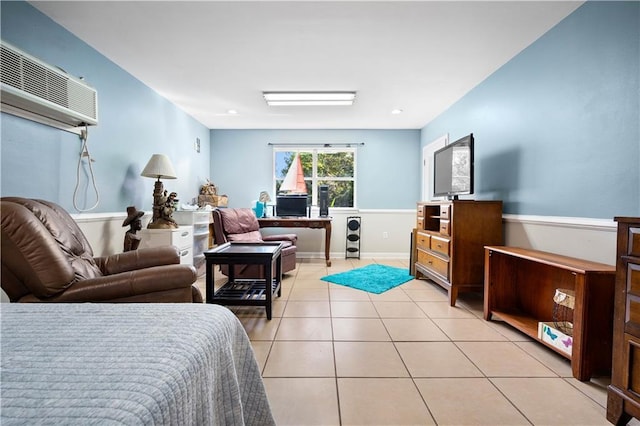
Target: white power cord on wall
x=84 y=153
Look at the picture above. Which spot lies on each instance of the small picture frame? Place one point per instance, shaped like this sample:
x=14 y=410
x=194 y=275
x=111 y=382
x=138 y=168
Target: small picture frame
x=196 y=145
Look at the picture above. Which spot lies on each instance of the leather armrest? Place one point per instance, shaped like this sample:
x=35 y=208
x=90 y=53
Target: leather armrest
x=293 y=238
x=126 y=284
x=138 y=259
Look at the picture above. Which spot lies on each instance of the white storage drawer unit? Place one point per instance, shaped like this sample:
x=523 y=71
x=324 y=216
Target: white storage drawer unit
x=200 y=220
x=181 y=237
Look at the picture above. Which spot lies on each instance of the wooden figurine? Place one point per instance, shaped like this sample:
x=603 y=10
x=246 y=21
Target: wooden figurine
x=133 y=220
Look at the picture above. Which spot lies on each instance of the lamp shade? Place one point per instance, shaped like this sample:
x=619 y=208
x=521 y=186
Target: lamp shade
x=159 y=166
x=264 y=197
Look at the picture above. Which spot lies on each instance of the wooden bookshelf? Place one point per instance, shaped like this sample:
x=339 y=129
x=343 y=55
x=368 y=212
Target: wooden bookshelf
x=519 y=286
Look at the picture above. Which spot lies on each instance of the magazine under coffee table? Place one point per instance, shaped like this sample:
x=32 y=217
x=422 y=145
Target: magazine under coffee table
x=250 y=292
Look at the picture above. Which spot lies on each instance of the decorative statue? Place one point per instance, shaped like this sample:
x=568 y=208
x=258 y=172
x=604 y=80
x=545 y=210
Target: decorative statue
x=209 y=188
x=163 y=208
x=133 y=220
x=169 y=208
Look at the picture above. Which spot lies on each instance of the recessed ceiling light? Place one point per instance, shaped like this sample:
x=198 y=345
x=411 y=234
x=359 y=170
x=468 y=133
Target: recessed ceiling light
x=232 y=111
x=309 y=98
x=396 y=111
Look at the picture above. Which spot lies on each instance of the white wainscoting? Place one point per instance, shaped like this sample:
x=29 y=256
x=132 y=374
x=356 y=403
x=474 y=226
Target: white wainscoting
x=397 y=224
x=105 y=231
x=586 y=238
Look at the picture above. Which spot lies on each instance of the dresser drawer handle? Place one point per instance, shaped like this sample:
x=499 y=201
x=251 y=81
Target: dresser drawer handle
x=185 y=233
x=184 y=253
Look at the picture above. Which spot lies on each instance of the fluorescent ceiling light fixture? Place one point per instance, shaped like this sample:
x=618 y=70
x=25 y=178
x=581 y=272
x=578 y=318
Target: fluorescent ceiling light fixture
x=309 y=98
x=310 y=103
x=396 y=111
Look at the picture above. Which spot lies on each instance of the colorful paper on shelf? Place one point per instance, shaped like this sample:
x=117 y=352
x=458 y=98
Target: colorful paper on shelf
x=554 y=337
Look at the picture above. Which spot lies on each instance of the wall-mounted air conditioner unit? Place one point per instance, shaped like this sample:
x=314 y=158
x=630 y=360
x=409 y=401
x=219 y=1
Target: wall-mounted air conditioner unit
x=38 y=91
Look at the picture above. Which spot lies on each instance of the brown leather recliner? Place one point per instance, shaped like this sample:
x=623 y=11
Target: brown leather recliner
x=242 y=225
x=47 y=258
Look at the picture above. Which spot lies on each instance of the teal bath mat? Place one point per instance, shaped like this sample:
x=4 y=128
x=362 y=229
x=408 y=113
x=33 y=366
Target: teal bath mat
x=372 y=278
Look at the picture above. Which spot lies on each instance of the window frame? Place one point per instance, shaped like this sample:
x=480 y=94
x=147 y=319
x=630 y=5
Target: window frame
x=314 y=150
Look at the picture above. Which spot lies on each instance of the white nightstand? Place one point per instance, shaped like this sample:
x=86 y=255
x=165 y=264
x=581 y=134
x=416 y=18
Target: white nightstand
x=181 y=237
x=200 y=220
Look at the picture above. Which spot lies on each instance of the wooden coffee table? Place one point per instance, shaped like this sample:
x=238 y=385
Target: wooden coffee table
x=250 y=292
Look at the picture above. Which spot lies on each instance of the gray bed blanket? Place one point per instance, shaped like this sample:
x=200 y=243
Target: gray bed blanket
x=129 y=364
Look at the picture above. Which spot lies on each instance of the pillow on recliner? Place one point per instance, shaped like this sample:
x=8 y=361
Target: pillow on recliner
x=247 y=237
x=239 y=221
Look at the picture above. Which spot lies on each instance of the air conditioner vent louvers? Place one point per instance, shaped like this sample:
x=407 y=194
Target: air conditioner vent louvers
x=33 y=85
x=10 y=68
x=81 y=100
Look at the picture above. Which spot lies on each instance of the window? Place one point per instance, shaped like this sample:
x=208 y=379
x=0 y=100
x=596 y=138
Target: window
x=334 y=167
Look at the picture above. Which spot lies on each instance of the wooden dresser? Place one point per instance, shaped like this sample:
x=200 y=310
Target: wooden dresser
x=449 y=242
x=623 y=400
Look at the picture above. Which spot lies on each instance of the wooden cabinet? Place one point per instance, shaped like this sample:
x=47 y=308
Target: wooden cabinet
x=181 y=237
x=449 y=242
x=623 y=400
x=519 y=288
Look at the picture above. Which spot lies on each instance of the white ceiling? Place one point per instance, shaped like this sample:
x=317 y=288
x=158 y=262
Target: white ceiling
x=211 y=56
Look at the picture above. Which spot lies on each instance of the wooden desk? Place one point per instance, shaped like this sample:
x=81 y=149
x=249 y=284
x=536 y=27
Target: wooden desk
x=302 y=222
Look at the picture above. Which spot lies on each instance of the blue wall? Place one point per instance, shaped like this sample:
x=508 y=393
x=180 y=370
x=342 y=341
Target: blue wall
x=134 y=123
x=557 y=128
x=388 y=165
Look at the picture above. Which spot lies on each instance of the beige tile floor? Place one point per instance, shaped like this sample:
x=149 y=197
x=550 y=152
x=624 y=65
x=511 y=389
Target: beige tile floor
x=332 y=355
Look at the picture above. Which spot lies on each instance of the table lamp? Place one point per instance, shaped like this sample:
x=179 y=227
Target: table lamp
x=261 y=204
x=264 y=197
x=159 y=166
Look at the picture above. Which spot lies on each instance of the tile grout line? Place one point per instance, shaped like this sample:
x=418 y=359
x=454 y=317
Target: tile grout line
x=335 y=363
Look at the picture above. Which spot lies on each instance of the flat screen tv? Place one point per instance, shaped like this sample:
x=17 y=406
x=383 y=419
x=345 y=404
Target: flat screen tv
x=291 y=205
x=453 y=169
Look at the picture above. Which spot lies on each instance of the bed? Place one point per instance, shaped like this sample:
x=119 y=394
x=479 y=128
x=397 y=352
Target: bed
x=132 y=364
